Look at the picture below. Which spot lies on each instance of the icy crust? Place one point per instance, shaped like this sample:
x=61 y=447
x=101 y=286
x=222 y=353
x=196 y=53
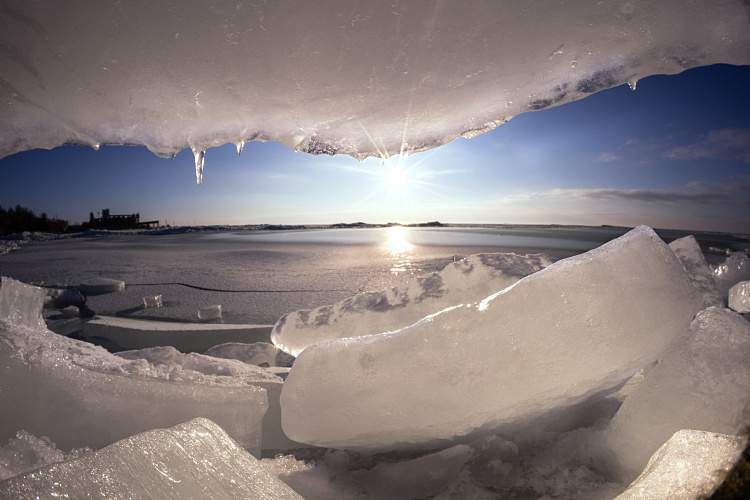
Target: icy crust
x=700 y=383
x=181 y=74
x=579 y=327
x=690 y=465
x=470 y=279
x=688 y=251
x=196 y=459
x=78 y=394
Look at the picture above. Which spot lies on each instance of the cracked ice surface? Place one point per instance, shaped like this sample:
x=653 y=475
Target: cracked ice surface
x=365 y=79
x=468 y=280
x=476 y=368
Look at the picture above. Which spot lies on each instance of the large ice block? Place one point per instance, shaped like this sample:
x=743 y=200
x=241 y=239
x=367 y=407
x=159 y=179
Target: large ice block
x=21 y=303
x=78 y=394
x=581 y=326
x=689 y=466
x=702 y=382
x=688 y=251
x=739 y=297
x=470 y=279
x=199 y=366
x=196 y=459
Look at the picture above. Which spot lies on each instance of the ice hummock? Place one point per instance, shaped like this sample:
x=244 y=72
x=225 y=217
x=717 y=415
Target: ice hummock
x=79 y=395
x=196 y=459
x=578 y=328
x=468 y=280
x=700 y=383
x=179 y=74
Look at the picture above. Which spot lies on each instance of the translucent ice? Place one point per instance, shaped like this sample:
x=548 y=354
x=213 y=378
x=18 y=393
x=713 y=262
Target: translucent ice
x=734 y=269
x=689 y=466
x=80 y=395
x=259 y=353
x=21 y=304
x=196 y=459
x=199 y=367
x=577 y=328
x=739 y=297
x=102 y=285
x=368 y=313
x=688 y=251
x=192 y=74
x=700 y=383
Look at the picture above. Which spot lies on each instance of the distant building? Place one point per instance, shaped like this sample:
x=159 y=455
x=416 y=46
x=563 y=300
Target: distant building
x=113 y=222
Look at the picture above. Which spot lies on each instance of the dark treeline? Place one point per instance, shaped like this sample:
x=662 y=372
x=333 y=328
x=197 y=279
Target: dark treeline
x=20 y=219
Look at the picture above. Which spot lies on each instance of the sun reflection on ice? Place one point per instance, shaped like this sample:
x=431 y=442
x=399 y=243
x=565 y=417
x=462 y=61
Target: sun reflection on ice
x=399 y=247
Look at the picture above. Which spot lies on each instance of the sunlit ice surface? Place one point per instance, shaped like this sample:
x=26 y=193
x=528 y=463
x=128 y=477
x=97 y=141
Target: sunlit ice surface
x=400 y=248
x=373 y=79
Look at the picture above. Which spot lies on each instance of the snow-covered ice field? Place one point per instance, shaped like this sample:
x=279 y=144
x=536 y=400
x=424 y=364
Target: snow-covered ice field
x=527 y=384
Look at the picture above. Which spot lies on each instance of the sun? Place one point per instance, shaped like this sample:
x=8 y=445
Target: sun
x=396 y=177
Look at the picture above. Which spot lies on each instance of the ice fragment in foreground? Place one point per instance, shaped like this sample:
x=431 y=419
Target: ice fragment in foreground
x=196 y=459
x=739 y=297
x=102 y=285
x=734 y=269
x=469 y=280
x=689 y=466
x=702 y=382
x=688 y=251
x=581 y=326
x=208 y=313
x=78 y=394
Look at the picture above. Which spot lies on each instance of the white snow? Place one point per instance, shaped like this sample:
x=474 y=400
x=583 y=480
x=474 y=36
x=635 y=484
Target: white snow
x=388 y=310
x=700 y=383
x=581 y=326
x=196 y=459
x=688 y=466
x=739 y=297
x=127 y=333
x=192 y=74
x=80 y=395
x=688 y=251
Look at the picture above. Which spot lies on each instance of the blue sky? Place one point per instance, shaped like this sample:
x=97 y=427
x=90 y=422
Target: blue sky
x=674 y=153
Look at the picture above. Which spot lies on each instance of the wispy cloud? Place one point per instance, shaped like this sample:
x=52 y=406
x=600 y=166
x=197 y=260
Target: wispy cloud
x=726 y=144
x=608 y=157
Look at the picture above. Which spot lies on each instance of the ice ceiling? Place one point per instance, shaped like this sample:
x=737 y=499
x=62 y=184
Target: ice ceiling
x=367 y=78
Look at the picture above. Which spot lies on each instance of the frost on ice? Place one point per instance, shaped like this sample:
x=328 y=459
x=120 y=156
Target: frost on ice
x=78 y=394
x=181 y=74
x=471 y=279
x=196 y=459
x=578 y=328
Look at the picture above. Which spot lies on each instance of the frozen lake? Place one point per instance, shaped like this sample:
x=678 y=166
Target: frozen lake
x=257 y=276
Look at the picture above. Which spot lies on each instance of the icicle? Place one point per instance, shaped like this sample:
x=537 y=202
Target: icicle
x=240 y=146
x=199 y=157
x=632 y=84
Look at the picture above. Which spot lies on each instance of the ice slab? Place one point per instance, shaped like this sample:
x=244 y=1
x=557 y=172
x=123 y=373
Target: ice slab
x=689 y=466
x=700 y=383
x=689 y=252
x=739 y=297
x=129 y=333
x=734 y=269
x=182 y=74
x=259 y=353
x=196 y=459
x=198 y=366
x=468 y=280
x=21 y=303
x=78 y=394
x=102 y=285
x=581 y=326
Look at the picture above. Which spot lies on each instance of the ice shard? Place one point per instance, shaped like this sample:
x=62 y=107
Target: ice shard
x=700 y=383
x=178 y=74
x=78 y=394
x=579 y=327
x=688 y=251
x=387 y=310
x=196 y=459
